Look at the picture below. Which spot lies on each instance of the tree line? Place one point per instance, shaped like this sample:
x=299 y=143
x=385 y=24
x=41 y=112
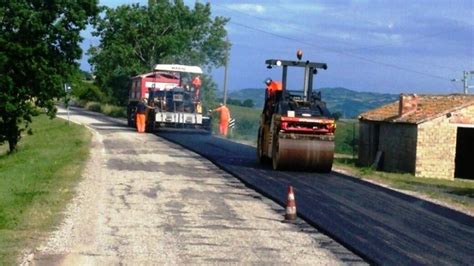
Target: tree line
x=245 y=103
x=40 y=46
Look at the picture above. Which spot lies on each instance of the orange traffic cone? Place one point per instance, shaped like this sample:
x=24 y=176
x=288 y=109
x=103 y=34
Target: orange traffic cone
x=290 y=205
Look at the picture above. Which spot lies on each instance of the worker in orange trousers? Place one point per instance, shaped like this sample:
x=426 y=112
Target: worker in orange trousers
x=224 y=119
x=141 y=115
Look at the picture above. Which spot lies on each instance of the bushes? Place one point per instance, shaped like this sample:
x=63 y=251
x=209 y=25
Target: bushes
x=87 y=91
x=114 y=111
x=246 y=103
x=93 y=106
x=107 y=109
x=88 y=95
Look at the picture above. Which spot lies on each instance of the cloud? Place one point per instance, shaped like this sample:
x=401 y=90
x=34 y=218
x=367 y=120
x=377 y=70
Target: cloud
x=298 y=8
x=247 y=7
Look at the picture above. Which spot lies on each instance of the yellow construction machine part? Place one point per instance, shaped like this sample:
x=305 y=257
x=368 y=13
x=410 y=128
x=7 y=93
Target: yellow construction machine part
x=303 y=154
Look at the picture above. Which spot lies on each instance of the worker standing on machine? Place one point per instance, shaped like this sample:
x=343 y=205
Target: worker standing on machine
x=272 y=88
x=224 y=119
x=197 y=87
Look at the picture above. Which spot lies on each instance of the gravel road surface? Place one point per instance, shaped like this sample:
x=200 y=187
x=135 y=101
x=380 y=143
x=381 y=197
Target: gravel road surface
x=382 y=225
x=147 y=201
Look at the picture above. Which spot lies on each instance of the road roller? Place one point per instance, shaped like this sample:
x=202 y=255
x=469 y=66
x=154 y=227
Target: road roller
x=296 y=129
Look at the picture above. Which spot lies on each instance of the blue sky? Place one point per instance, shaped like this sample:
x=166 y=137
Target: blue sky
x=381 y=46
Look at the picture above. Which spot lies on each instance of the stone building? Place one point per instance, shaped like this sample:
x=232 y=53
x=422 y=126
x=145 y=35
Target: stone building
x=426 y=135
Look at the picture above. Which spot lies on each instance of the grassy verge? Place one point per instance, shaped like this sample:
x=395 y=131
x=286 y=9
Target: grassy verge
x=247 y=123
x=347 y=134
x=37 y=181
x=459 y=193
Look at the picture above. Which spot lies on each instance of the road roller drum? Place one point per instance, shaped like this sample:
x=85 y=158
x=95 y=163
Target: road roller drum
x=303 y=154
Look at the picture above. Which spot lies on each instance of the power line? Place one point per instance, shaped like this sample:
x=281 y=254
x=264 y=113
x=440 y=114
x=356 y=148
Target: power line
x=341 y=52
x=356 y=49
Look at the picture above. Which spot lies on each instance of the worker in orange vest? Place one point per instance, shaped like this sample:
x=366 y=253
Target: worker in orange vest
x=273 y=86
x=141 y=115
x=197 y=86
x=224 y=119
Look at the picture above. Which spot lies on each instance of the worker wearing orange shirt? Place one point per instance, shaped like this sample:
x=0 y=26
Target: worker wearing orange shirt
x=197 y=86
x=273 y=86
x=224 y=119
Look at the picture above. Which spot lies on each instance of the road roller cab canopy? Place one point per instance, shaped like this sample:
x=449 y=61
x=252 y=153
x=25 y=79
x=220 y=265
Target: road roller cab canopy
x=310 y=69
x=298 y=103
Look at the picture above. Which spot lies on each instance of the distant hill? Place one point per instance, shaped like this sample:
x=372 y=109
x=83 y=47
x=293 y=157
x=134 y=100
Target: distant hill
x=348 y=102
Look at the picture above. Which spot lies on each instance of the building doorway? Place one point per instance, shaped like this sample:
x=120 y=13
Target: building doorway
x=464 y=153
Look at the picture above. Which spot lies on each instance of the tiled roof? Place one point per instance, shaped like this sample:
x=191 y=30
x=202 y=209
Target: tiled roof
x=429 y=107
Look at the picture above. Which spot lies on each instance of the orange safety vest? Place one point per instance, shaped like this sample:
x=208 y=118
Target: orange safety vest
x=225 y=113
x=275 y=86
x=196 y=82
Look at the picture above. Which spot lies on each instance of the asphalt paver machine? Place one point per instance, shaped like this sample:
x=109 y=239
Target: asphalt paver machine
x=178 y=104
x=296 y=129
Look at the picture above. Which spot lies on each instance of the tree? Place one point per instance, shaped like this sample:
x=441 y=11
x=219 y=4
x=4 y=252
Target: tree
x=134 y=38
x=231 y=101
x=39 y=46
x=248 y=103
x=208 y=88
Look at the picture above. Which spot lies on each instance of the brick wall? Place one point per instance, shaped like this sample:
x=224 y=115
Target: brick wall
x=396 y=141
x=398 y=144
x=436 y=145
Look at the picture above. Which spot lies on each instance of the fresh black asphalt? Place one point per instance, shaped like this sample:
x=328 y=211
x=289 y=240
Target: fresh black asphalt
x=381 y=225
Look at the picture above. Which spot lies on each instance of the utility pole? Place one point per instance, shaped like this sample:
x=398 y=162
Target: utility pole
x=466 y=76
x=67 y=89
x=226 y=66
x=464 y=80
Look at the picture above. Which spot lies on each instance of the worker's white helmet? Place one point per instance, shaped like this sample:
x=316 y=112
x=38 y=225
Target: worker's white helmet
x=268 y=81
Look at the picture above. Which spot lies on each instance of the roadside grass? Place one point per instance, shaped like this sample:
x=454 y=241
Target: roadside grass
x=459 y=192
x=247 y=121
x=347 y=135
x=37 y=181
